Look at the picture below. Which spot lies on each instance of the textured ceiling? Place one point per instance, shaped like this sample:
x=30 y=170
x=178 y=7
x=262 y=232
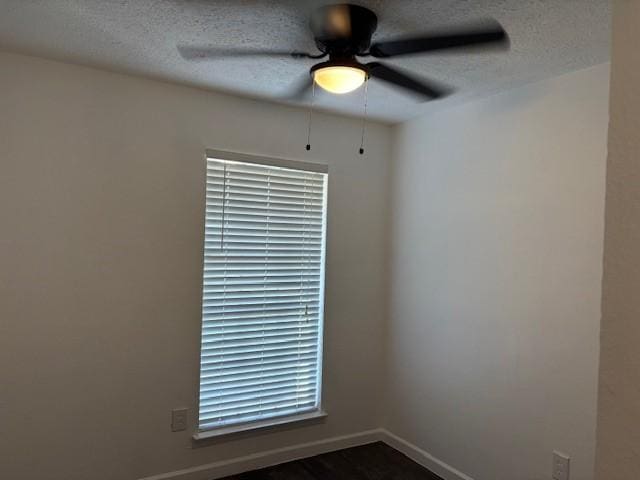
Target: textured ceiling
x=548 y=37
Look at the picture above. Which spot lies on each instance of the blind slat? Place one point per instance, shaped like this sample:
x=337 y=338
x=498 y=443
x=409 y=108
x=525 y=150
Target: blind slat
x=249 y=396
x=267 y=315
x=256 y=404
x=282 y=365
x=247 y=321
x=260 y=411
x=217 y=360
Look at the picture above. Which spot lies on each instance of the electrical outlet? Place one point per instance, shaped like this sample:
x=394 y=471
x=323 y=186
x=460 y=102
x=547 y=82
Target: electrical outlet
x=560 y=466
x=178 y=419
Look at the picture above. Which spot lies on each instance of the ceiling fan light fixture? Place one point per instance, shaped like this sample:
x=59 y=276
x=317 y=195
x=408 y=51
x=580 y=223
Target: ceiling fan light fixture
x=344 y=33
x=339 y=78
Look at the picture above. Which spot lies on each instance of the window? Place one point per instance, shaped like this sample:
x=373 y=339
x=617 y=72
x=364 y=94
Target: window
x=263 y=289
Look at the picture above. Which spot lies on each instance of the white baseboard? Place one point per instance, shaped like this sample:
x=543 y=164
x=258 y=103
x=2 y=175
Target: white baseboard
x=268 y=458
x=211 y=471
x=437 y=466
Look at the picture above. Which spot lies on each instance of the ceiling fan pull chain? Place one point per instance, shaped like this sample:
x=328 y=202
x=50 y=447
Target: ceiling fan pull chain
x=364 y=117
x=313 y=99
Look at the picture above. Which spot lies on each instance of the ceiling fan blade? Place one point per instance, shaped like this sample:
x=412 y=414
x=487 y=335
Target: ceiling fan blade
x=300 y=90
x=428 y=90
x=488 y=34
x=208 y=53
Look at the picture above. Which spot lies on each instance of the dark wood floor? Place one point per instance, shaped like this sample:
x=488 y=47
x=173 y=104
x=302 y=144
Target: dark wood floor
x=376 y=461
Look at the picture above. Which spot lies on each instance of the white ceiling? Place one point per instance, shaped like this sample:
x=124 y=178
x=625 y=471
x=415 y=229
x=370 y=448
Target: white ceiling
x=548 y=37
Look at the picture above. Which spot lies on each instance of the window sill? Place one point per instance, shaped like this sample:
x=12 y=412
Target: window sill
x=272 y=422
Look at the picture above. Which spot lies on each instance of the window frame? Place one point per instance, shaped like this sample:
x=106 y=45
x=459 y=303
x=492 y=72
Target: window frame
x=318 y=412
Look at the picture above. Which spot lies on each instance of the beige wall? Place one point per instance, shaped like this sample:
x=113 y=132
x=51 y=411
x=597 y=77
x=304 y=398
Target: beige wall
x=497 y=225
x=618 y=446
x=101 y=232
x=497 y=231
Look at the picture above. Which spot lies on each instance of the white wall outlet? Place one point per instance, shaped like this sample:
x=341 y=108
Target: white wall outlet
x=560 y=466
x=178 y=419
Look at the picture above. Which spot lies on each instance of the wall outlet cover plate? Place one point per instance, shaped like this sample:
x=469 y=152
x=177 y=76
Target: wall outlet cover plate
x=560 y=466
x=179 y=419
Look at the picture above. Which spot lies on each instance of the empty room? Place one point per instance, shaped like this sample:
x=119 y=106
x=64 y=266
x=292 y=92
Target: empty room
x=311 y=240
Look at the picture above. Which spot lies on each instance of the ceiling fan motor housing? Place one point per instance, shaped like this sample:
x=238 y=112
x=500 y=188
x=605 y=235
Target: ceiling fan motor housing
x=343 y=31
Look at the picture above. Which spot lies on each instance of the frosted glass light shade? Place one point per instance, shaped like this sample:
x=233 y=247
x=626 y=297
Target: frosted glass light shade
x=339 y=79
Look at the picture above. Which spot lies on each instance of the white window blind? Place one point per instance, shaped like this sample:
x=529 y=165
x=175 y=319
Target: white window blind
x=262 y=293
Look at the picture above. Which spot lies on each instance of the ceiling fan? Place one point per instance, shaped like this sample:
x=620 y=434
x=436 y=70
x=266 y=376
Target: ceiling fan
x=343 y=32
